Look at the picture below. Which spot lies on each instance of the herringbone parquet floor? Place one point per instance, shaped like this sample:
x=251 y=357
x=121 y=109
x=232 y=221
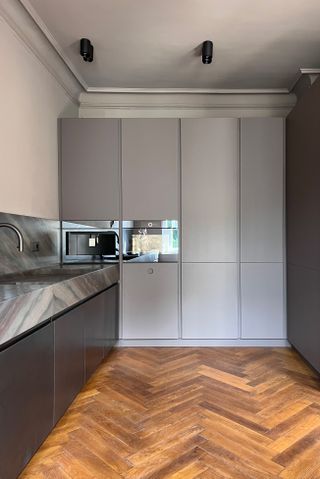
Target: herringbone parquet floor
x=249 y=413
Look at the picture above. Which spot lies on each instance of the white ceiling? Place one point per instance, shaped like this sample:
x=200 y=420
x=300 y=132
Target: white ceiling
x=155 y=43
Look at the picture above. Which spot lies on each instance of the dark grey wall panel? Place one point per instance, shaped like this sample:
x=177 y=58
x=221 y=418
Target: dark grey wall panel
x=304 y=312
x=69 y=359
x=90 y=155
x=303 y=180
x=303 y=225
x=26 y=399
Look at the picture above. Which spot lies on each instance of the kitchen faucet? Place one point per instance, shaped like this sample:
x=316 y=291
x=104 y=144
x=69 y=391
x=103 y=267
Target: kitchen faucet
x=18 y=233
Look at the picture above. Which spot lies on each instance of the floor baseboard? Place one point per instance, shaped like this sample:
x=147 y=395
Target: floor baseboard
x=203 y=343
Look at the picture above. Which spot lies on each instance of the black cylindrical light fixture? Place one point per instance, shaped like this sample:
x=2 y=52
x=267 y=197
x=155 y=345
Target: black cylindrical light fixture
x=86 y=49
x=207 y=52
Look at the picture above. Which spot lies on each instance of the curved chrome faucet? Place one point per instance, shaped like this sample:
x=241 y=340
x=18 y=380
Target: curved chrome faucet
x=18 y=233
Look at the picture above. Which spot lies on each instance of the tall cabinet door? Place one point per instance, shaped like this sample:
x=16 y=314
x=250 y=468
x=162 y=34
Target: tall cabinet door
x=262 y=225
x=210 y=159
x=150 y=301
x=90 y=169
x=210 y=152
x=262 y=176
x=150 y=165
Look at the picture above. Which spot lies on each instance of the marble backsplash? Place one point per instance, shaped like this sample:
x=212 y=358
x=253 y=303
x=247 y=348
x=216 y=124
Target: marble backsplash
x=34 y=230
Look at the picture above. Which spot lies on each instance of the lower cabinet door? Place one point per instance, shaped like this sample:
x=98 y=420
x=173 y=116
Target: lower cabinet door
x=111 y=304
x=210 y=301
x=69 y=359
x=262 y=301
x=150 y=301
x=94 y=333
x=26 y=399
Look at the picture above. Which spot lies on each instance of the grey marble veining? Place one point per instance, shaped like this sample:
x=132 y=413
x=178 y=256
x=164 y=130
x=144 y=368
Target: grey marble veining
x=46 y=232
x=72 y=291
x=26 y=304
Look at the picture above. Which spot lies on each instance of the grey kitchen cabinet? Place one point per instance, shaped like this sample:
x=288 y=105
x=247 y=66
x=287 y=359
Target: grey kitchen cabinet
x=111 y=298
x=100 y=327
x=26 y=399
x=42 y=373
x=90 y=169
x=94 y=329
x=262 y=190
x=69 y=359
x=262 y=301
x=210 y=157
x=210 y=301
x=150 y=168
x=150 y=301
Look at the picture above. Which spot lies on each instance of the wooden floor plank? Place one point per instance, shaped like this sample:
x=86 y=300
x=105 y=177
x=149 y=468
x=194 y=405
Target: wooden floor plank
x=209 y=413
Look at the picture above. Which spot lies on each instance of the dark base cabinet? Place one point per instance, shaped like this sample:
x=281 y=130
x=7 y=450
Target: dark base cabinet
x=69 y=358
x=94 y=324
x=41 y=374
x=26 y=399
x=111 y=306
x=100 y=327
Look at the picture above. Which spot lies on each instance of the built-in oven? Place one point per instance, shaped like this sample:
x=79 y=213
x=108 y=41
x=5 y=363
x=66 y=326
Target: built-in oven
x=150 y=241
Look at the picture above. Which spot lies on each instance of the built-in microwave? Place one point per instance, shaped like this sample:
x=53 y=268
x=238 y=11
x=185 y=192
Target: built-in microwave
x=90 y=241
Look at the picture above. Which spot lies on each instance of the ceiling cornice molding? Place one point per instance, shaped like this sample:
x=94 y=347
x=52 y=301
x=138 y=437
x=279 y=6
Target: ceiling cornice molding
x=29 y=32
x=101 y=105
x=53 y=41
x=193 y=91
x=30 y=28
x=312 y=73
x=304 y=80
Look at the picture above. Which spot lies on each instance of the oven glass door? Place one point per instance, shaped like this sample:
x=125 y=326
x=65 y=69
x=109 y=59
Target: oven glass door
x=151 y=241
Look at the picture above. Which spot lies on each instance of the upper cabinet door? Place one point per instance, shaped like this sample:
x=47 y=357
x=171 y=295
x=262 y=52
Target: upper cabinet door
x=209 y=189
x=262 y=165
x=150 y=165
x=90 y=171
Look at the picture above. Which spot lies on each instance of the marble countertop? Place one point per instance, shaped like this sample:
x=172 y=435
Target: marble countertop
x=27 y=299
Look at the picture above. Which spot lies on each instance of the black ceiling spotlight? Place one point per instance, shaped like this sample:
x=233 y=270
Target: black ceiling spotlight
x=207 y=51
x=86 y=50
